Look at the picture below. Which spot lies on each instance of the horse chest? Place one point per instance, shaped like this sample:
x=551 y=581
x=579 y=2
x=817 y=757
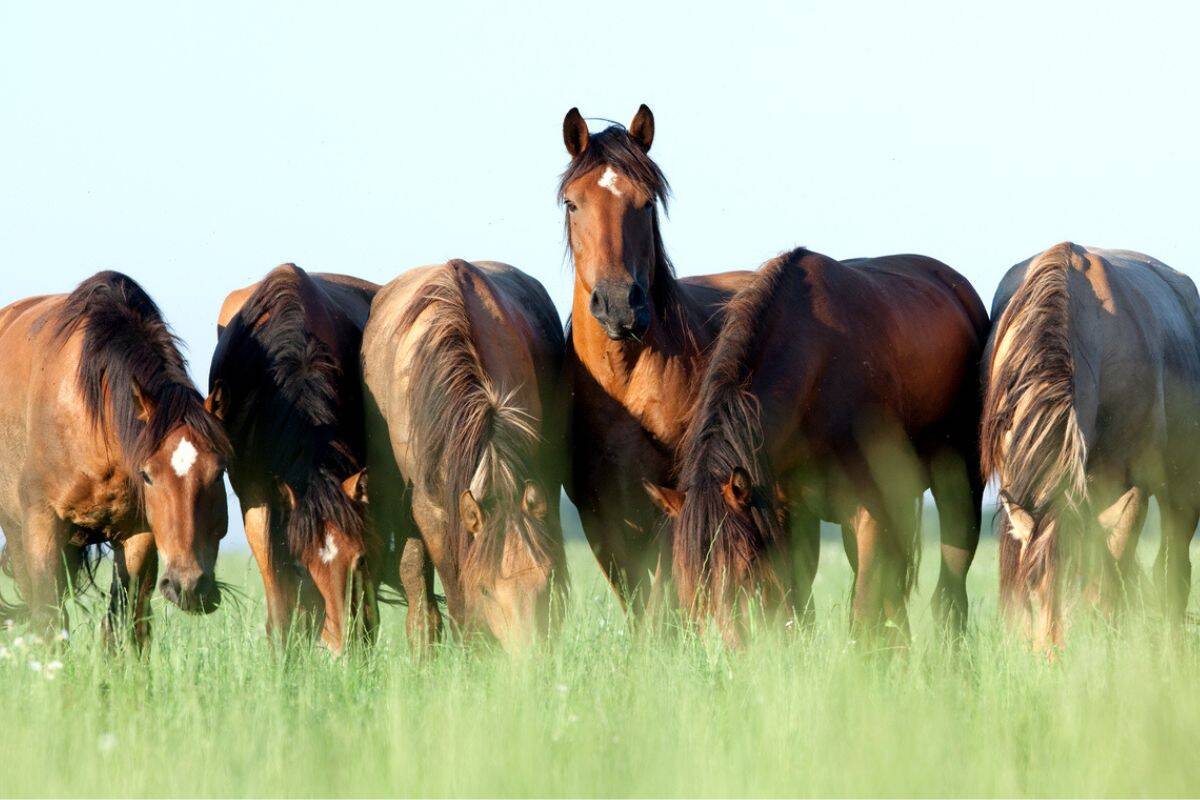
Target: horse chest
x=97 y=502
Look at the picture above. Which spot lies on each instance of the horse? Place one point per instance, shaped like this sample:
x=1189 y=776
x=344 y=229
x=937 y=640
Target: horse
x=836 y=391
x=636 y=346
x=286 y=384
x=1092 y=406
x=106 y=441
x=462 y=367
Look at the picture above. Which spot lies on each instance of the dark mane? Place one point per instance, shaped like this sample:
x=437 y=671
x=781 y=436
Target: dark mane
x=467 y=432
x=726 y=432
x=614 y=147
x=287 y=397
x=126 y=346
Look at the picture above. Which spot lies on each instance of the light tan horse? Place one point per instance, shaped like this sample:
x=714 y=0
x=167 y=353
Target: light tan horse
x=635 y=349
x=462 y=363
x=1092 y=407
x=285 y=383
x=106 y=440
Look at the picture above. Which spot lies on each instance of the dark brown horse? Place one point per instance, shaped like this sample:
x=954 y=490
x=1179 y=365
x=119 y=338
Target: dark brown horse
x=635 y=350
x=462 y=366
x=837 y=391
x=285 y=382
x=106 y=440
x=1092 y=407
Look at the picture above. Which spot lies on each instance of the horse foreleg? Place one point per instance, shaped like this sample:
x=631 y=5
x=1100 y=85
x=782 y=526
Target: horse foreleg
x=134 y=575
x=424 y=623
x=1173 y=567
x=280 y=582
x=47 y=566
x=958 y=492
x=804 y=547
x=880 y=584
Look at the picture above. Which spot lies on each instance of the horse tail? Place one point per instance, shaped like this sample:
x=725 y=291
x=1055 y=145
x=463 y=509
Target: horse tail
x=1010 y=561
x=1030 y=434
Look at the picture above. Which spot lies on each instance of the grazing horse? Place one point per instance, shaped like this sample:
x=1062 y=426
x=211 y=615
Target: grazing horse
x=285 y=382
x=106 y=440
x=837 y=391
x=1092 y=406
x=635 y=348
x=462 y=367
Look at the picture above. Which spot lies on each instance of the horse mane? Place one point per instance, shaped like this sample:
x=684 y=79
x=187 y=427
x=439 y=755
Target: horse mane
x=726 y=432
x=287 y=394
x=469 y=434
x=614 y=147
x=1030 y=430
x=127 y=345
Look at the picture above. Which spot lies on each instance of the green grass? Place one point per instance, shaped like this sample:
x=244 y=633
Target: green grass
x=211 y=710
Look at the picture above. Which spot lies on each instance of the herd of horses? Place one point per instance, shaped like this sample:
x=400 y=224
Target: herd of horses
x=703 y=427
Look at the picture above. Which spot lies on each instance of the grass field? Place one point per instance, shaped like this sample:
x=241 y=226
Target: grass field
x=211 y=710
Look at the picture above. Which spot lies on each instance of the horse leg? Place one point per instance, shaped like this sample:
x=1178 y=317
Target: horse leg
x=280 y=583
x=881 y=580
x=134 y=575
x=424 y=622
x=958 y=492
x=45 y=567
x=1118 y=527
x=805 y=551
x=1173 y=567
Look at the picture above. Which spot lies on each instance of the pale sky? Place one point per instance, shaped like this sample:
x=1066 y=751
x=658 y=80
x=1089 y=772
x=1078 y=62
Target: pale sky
x=197 y=145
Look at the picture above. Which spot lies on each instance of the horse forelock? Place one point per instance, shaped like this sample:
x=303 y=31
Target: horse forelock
x=468 y=433
x=127 y=345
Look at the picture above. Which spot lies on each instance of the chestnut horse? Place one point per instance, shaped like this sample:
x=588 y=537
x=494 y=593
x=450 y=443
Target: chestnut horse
x=1092 y=406
x=635 y=348
x=106 y=440
x=285 y=382
x=837 y=391
x=462 y=368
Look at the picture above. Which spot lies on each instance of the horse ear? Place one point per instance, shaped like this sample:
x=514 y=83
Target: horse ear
x=642 y=127
x=533 y=501
x=470 y=513
x=215 y=402
x=668 y=500
x=1020 y=522
x=739 y=488
x=575 y=132
x=144 y=407
x=289 y=495
x=355 y=486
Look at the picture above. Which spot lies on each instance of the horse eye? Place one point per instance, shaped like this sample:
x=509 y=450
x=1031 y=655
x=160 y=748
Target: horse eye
x=146 y=478
x=571 y=207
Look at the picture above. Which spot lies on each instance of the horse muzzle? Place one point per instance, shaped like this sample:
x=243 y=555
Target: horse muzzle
x=197 y=594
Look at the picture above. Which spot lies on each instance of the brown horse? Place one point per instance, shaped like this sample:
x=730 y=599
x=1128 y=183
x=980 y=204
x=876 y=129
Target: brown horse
x=837 y=391
x=106 y=440
x=636 y=346
x=285 y=382
x=1092 y=406
x=462 y=364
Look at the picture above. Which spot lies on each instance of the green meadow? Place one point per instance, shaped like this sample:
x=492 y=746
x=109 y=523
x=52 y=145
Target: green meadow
x=212 y=709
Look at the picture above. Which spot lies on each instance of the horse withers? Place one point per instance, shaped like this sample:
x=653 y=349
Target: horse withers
x=1092 y=407
x=635 y=350
x=286 y=384
x=462 y=368
x=837 y=391
x=106 y=440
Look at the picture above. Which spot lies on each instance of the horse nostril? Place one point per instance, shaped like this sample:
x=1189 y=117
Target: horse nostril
x=596 y=305
x=169 y=587
x=637 y=296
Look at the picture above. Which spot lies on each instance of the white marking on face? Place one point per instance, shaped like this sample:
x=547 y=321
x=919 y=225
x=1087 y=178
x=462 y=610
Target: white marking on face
x=609 y=181
x=329 y=551
x=183 y=458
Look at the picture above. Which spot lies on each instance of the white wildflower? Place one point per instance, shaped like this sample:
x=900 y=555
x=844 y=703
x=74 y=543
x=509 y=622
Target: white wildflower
x=36 y=666
x=63 y=635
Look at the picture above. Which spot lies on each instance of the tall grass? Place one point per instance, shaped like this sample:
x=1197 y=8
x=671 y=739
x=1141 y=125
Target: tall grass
x=210 y=709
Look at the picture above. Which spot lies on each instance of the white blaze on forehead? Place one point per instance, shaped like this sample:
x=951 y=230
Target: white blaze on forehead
x=609 y=181
x=329 y=551
x=184 y=457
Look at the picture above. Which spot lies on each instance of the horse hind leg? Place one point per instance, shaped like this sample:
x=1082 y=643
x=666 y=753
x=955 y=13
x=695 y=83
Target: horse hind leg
x=885 y=561
x=957 y=489
x=47 y=566
x=134 y=575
